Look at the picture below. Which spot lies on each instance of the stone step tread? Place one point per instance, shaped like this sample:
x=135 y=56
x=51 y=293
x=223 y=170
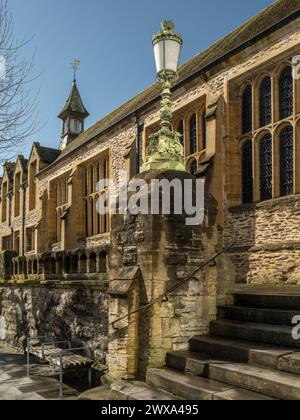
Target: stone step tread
x=293 y=312
x=238 y=394
x=195 y=356
x=290 y=363
x=269 y=382
x=250 y=331
x=258 y=315
x=184 y=385
x=268 y=300
x=243 y=344
x=139 y=391
x=190 y=362
x=256 y=325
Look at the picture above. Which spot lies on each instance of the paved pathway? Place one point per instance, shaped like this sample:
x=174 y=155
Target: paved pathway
x=15 y=385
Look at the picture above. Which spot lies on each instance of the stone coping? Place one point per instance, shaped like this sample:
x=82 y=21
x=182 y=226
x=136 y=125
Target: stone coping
x=241 y=208
x=56 y=284
x=267 y=247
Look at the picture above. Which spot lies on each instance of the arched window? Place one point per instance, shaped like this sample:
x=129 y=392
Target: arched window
x=266 y=168
x=180 y=130
x=193 y=167
x=286 y=161
x=286 y=94
x=247 y=110
x=247 y=172
x=193 y=134
x=265 y=106
x=204 y=130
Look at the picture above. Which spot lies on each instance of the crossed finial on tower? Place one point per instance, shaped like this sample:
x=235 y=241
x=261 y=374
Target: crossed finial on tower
x=75 y=66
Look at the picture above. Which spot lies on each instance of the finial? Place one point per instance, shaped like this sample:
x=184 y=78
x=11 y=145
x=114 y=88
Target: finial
x=75 y=66
x=167 y=25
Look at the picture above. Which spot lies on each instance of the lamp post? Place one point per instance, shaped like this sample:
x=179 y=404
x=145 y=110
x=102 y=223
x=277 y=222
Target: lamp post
x=165 y=151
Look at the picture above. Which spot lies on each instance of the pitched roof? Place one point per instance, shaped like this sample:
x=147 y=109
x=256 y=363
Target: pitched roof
x=74 y=104
x=9 y=168
x=276 y=15
x=47 y=154
x=23 y=162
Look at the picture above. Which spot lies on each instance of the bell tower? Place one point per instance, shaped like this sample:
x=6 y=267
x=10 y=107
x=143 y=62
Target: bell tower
x=73 y=115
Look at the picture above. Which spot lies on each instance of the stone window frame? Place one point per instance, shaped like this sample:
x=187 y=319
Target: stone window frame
x=96 y=224
x=32 y=172
x=17 y=193
x=7 y=243
x=200 y=111
x=17 y=241
x=4 y=198
x=30 y=239
x=62 y=201
x=274 y=128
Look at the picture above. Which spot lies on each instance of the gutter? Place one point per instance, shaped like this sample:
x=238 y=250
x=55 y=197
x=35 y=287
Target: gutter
x=187 y=79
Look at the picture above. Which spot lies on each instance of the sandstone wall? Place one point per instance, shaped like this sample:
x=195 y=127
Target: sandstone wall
x=268 y=248
x=76 y=314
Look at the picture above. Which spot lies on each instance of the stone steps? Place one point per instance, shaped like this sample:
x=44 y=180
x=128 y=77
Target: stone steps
x=265 y=333
x=139 y=391
x=239 y=351
x=270 y=382
x=259 y=315
x=269 y=300
x=256 y=334
x=249 y=355
x=196 y=388
x=237 y=394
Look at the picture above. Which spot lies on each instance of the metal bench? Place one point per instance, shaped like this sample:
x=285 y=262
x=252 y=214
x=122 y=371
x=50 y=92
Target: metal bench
x=48 y=351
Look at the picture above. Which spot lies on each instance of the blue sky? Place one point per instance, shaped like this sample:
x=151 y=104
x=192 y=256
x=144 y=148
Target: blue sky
x=112 y=38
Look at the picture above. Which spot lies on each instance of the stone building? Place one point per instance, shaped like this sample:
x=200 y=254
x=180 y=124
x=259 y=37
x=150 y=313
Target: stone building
x=237 y=106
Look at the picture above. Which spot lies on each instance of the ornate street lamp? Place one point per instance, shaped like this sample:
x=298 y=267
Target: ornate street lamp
x=165 y=150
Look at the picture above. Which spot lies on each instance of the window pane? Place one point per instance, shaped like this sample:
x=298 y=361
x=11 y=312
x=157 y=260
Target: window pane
x=266 y=168
x=265 y=102
x=193 y=167
x=247 y=172
x=286 y=95
x=286 y=161
x=247 y=110
x=193 y=134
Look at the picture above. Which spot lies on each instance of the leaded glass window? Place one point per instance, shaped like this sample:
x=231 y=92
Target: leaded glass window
x=265 y=102
x=286 y=161
x=247 y=110
x=286 y=94
x=193 y=167
x=193 y=134
x=266 y=168
x=247 y=172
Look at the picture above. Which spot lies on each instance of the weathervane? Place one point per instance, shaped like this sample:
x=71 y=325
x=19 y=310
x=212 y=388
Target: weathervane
x=75 y=66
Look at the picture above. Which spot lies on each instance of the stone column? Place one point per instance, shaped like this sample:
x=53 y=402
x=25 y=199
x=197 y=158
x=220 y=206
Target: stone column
x=150 y=254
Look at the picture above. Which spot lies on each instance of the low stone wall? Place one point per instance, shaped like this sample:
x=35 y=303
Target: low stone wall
x=268 y=247
x=76 y=314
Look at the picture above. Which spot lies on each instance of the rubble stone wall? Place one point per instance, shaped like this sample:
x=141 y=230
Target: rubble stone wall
x=76 y=314
x=268 y=247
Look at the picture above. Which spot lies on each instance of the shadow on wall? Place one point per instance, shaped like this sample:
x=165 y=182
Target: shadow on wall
x=268 y=249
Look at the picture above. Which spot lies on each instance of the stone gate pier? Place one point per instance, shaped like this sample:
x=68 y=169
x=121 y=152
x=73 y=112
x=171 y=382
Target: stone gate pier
x=150 y=254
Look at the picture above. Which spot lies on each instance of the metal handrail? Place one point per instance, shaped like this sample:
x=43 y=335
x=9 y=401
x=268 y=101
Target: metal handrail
x=164 y=297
